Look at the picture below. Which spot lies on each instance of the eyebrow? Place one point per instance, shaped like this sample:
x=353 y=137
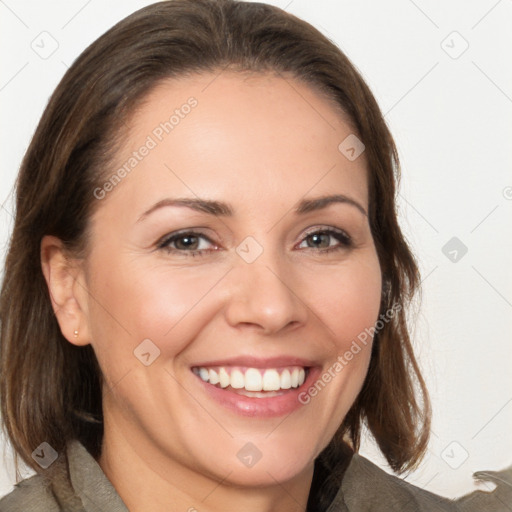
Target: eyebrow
x=221 y=209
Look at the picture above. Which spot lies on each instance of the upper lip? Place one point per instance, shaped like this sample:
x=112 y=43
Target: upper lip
x=258 y=362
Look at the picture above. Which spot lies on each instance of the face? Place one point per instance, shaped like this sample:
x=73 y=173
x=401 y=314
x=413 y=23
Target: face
x=223 y=297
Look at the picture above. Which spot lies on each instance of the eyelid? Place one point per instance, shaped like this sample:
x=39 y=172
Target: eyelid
x=321 y=227
x=326 y=229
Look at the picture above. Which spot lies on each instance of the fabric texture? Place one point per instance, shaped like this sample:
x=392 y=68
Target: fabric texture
x=365 y=487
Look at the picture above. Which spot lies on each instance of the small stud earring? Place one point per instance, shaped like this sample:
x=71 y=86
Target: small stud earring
x=75 y=334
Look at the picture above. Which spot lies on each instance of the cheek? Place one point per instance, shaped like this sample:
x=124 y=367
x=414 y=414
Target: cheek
x=347 y=300
x=157 y=303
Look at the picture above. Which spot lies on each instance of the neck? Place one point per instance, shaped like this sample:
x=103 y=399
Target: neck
x=173 y=487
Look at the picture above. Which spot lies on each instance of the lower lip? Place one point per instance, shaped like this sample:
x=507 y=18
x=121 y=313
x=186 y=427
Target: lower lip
x=270 y=407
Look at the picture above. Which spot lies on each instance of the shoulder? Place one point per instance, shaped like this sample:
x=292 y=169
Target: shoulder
x=31 y=494
x=366 y=487
x=86 y=489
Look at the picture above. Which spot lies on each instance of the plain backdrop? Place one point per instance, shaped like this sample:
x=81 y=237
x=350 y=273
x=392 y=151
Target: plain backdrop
x=442 y=74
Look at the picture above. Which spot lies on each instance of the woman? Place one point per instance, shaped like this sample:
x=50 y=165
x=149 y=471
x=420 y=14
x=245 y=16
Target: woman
x=204 y=293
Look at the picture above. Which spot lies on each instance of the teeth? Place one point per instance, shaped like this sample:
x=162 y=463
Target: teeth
x=237 y=379
x=223 y=378
x=286 y=380
x=203 y=373
x=295 y=378
x=254 y=379
x=271 y=380
x=213 y=377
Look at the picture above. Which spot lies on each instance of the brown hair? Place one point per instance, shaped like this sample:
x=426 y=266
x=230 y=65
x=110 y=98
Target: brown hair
x=50 y=390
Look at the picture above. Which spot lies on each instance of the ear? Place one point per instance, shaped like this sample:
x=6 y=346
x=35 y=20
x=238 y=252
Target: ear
x=66 y=284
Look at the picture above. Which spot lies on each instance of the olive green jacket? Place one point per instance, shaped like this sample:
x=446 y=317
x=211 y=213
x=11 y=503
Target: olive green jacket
x=365 y=487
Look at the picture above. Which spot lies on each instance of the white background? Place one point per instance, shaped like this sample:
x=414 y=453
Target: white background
x=451 y=117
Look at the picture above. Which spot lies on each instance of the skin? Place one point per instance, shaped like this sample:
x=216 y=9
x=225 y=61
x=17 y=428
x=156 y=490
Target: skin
x=260 y=143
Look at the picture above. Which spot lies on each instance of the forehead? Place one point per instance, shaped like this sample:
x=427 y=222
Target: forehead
x=238 y=134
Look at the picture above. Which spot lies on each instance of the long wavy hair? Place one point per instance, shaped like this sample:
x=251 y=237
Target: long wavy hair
x=50 y=390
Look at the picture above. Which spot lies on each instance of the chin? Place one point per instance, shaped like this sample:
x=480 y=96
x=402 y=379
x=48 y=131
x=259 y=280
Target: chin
x=268 y=474
x=279 y=461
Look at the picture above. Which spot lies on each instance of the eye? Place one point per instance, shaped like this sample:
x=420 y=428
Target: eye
x=322 y=239
x=192 y=243
x=188 y=242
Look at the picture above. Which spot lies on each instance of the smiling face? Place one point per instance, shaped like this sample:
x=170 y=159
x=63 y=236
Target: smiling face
x=214 y=252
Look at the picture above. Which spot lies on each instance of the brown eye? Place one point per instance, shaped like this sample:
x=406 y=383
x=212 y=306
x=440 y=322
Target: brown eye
x=319 y=240
x=187 y=243
x=322 y=239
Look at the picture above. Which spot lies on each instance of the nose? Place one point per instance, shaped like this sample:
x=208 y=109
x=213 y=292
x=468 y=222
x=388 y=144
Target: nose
x=264 y=296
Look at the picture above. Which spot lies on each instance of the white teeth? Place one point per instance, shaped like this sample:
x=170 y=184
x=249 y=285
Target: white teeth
x=286 y=381
x=213 y=377
x=295 y=378
x=223 y=378
x=254 y=379
x=271 y=380
x=237 y=379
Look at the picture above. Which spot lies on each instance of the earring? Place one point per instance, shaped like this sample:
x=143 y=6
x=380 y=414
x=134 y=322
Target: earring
x=75 y=334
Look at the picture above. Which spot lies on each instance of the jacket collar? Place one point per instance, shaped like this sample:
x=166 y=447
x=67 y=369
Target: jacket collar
x=90 y=482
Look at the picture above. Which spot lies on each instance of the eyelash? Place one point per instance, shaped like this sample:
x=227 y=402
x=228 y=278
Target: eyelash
x=344 y=239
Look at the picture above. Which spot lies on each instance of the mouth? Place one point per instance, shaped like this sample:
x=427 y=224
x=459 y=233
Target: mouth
x=255 y=387
x=253 y=382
